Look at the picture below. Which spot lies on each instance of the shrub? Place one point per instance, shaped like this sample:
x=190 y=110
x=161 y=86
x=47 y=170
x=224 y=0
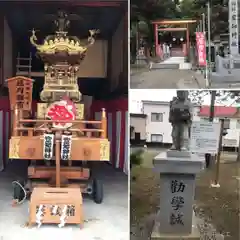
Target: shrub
x=136 y=158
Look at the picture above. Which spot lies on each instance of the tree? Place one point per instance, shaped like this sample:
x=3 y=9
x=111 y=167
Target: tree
x=222 y=96
x=143 y=12
x=219 y=13
x=228 y=98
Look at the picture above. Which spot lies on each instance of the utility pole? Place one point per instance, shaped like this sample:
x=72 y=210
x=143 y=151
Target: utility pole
x=200 y=26
x=216 y=180
x=204 y=32
x=209 y=41
x=213 y=98
x=238 y=154
x=208 y=156
x=137 y=42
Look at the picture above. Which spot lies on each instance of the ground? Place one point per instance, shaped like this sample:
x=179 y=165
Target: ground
x=142 y=78
x=217 y=208
x=102 y=221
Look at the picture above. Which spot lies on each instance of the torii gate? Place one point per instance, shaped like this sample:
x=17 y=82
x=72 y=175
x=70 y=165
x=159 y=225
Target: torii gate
x=185 y=23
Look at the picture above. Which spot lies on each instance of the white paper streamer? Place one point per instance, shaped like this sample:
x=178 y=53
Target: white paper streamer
x=39 y=216
x=48 y=150
x=63 y=217
x=66 y=144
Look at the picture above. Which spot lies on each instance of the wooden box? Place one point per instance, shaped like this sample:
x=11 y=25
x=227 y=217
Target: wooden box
x=52 y=202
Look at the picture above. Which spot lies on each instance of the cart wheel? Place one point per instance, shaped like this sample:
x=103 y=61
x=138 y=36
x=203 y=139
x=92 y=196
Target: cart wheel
x=97 y=191
x=18 y=193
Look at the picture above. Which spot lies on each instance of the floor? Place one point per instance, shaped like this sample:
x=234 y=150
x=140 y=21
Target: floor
x=102 y=221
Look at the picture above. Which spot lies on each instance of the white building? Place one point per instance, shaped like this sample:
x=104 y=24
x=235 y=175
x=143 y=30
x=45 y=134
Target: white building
x=158 y=129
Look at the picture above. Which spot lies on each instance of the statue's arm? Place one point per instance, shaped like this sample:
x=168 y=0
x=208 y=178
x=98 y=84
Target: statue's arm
x=191 y=110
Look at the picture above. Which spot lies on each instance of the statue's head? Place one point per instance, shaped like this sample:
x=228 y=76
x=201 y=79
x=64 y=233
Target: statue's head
x=181 y=95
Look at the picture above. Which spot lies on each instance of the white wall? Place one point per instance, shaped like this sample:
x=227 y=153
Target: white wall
x=8 y=63
x=164 y=128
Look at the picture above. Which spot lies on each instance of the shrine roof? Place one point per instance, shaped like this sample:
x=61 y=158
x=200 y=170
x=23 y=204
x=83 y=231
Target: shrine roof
x=219 y=111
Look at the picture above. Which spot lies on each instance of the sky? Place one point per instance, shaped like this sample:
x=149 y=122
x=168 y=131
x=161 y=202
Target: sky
x=138 y=95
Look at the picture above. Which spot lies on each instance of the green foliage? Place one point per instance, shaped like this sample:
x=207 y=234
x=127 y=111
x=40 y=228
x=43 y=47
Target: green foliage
x=136 y=158
x=144 y=12
x=219 y=13
x=148 y=10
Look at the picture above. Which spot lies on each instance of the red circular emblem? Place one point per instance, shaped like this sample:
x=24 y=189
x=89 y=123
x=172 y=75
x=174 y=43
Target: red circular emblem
x=62 y=110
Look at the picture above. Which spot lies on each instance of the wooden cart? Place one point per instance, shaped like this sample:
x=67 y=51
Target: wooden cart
x=58 y=142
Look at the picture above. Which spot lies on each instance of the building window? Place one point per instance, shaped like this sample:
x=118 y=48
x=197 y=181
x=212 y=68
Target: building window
x=156 y=117
x=156 y=138
x=226 y=123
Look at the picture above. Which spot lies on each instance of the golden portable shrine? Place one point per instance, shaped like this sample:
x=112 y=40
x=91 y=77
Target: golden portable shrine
x=59 y=143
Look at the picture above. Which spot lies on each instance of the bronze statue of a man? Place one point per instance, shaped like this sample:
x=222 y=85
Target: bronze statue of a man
x=180 y=116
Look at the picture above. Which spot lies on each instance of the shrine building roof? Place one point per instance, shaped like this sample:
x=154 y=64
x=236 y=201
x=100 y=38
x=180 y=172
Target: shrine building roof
x=219 y=111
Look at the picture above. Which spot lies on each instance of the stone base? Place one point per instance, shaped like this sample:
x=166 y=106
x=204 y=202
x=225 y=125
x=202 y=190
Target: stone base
x=178 y=154
x=180 y=162
x=195 y=234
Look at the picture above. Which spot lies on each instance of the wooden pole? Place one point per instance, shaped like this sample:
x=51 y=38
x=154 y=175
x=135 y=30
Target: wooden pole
x=188 y=40
x=57 y=156
x=216 y=180
x=209 y=42
x=156 y=39
x=104 y=124
x=208 y=156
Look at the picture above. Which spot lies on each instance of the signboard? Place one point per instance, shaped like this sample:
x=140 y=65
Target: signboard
x=233 y=27
x=226 y=142
x=204 y=137
x=201 y=48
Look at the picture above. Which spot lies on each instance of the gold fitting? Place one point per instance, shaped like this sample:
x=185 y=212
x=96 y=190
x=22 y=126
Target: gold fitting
x=103 y=113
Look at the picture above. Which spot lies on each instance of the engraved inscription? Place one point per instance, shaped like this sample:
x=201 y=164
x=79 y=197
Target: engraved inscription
x=104 y=150
x=14 y=147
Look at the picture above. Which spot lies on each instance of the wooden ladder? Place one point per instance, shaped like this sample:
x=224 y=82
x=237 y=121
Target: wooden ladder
x=24 y=66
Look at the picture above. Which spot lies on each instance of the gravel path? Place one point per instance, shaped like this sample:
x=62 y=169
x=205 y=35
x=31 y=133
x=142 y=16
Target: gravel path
x=142 y=231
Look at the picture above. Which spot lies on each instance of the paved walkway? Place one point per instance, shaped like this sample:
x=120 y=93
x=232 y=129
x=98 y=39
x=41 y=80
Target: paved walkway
x=167 y=79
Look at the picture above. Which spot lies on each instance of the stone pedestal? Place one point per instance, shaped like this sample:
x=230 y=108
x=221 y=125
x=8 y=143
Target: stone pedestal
x=176 y=219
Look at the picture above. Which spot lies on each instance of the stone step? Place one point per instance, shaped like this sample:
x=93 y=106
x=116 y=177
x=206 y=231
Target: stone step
x=165 y=66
